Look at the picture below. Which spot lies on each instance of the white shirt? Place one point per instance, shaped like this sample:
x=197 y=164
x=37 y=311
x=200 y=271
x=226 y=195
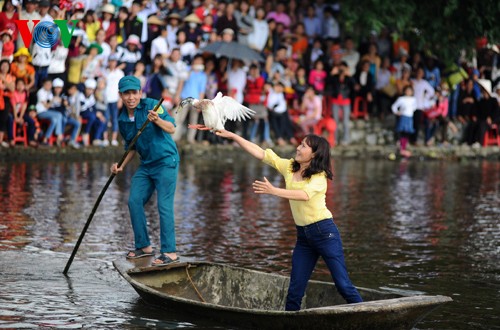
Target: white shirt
x=405 y=105
x=40 y=56
x=351 y=58
x=278 y=100
x=179 y=71
x=188 y=49
x=87 y=103
x=58 y=61
x=258 y=37
x=125 y=55
x=237 y=79
x=111 y=94
x=103 y=57
x=172 y=36
x=159 y=45
x=423 y=92
x=43 y=95
x=331 y=28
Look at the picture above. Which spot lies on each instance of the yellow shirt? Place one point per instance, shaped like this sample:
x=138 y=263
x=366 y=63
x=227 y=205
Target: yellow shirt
x=304 y=212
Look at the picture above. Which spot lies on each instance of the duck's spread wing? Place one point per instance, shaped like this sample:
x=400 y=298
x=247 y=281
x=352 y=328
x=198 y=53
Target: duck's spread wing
x=229 y=108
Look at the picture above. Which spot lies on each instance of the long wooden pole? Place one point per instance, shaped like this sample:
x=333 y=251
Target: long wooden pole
x=98 y=201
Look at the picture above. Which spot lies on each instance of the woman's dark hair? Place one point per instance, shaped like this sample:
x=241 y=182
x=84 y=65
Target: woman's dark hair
x=4 y=7
x=321 y=161
x=5 y=61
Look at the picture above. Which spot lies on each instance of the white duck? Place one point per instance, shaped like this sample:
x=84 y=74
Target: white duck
x=215 y=112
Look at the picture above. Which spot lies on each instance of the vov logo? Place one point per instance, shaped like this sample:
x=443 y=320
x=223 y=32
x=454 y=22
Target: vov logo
x=46 y=34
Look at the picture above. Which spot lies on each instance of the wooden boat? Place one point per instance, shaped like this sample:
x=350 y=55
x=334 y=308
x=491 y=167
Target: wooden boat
x=252 y=299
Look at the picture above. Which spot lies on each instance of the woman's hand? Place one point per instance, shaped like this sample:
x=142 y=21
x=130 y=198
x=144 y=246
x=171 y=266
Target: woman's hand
x=225 y=134
x=263 y=187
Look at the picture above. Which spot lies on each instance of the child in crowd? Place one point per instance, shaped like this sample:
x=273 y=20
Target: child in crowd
x=139 y=72
x=45 y=111
x=92 y=63
x=311 y=110
x=317 y=76
x=20 y=115
x=437 y=116
x=7 y=45
x=112 y=76
x=60 y=103
x=72 y=102
x=299 y=85
x=88 y=112
x=404 y=107
x=255 y=98
x=38 y=128
x=280 y=122
x=4 y=112
x=130 y=54
x=102 y=139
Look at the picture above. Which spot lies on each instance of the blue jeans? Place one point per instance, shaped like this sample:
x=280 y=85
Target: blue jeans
x=56 y=120
x=112 y=114
x=321 y=238
x=266 y=136
x=149 y=177
x=75 y=124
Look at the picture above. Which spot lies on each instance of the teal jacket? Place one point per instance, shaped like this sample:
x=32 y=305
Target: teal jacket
x=154 y=145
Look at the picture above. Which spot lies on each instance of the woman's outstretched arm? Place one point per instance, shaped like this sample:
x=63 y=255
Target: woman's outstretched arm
x=248 y=146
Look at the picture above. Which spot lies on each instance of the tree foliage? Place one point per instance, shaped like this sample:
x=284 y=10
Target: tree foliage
x=440 y=27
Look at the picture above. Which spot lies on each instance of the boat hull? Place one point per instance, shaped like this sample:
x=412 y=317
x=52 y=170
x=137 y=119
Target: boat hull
x=252 y=299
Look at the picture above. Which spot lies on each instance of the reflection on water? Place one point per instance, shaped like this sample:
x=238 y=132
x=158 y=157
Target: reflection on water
x=431 y=227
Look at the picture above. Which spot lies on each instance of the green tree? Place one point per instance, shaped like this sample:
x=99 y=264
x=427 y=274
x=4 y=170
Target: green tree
x=441 y=27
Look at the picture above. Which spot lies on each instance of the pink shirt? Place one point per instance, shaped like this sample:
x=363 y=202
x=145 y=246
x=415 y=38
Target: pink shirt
x=17 y=99
x=317 y=79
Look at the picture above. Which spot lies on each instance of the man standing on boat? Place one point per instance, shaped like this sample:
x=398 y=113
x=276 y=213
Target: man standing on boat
x=158 y=169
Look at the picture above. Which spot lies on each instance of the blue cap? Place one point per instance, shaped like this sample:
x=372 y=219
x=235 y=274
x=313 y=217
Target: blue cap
x=128 y=83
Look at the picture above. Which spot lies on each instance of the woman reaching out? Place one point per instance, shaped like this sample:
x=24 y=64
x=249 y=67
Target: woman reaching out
x=317 y=235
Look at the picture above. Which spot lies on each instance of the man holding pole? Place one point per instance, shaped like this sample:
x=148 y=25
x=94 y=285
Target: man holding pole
x=158 y=169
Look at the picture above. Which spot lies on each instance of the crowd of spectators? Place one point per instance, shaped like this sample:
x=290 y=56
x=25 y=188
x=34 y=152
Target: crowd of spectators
x=311 y=70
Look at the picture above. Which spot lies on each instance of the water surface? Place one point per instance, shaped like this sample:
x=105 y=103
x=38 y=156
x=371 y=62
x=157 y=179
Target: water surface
x=426 y=227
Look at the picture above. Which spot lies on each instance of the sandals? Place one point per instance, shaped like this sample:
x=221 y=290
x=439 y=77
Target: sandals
x=165 y=260
x=139 y=253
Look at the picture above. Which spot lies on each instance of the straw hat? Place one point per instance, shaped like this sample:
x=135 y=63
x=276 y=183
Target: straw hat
x=485 y=84
x=175 y=16
x=156 y=20
x=23 y=51
x=108 y=8
x=192 y=18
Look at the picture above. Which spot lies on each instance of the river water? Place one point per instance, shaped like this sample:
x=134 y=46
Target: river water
x=424 y=227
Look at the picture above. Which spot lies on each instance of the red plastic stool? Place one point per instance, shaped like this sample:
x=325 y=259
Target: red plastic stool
x=492 y=136
x=360 y=108
x=20 y=133
x=330 y=126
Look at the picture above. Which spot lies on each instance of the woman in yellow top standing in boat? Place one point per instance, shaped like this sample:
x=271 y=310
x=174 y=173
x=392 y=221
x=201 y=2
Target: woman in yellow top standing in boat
x=317 y=235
